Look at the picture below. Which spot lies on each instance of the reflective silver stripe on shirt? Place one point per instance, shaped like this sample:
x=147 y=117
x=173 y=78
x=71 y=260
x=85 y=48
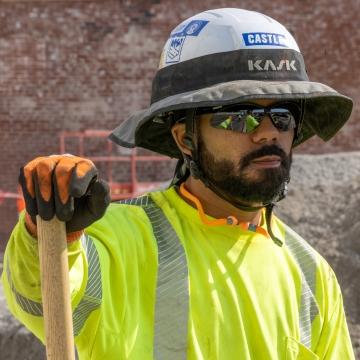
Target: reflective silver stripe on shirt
x=89 y=302
x=172 y=293
x=30 y=306
x=305 y=257
x=91 y=299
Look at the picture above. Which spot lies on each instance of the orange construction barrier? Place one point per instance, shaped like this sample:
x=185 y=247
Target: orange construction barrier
x=119 y=189
x=20 y=203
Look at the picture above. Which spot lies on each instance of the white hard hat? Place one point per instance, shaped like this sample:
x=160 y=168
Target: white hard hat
x=224 y=30
x=228 y=56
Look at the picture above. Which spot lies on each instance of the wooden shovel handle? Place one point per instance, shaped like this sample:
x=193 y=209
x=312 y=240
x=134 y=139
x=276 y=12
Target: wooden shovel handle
x=55 y=289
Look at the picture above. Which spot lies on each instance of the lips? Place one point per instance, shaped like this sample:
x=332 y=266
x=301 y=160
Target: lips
x=267 y=161
x=267 y=158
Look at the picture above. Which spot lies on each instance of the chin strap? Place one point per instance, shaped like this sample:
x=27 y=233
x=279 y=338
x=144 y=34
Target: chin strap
x=197 y=173
x=268 y=215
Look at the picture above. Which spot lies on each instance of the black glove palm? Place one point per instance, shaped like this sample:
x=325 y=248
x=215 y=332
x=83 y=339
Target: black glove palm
x=66 y=186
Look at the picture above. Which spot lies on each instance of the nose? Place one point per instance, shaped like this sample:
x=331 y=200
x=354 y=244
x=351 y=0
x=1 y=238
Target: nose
x=266 y=132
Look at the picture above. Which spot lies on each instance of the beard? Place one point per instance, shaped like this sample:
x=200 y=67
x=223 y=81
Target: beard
x=239 y=182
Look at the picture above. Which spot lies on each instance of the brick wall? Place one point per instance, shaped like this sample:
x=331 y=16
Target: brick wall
x=74 y=65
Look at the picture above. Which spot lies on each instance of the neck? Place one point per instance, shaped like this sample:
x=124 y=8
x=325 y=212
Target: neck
x=217 y=207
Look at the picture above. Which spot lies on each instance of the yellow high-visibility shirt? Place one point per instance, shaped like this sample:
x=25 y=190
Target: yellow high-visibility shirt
x=244 y=291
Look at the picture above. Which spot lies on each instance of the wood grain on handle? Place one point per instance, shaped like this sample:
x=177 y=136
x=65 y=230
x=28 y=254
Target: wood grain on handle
x=55 y=289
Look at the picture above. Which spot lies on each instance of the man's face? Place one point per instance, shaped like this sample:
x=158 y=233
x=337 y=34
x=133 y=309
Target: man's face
x=251 y=167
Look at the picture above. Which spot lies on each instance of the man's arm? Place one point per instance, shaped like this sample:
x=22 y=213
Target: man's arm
x=333 y=339
x=21 y=277
x=335 y=342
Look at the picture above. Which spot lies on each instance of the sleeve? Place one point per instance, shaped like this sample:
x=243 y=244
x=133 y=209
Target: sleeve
x=21 y=277
x=334 y=342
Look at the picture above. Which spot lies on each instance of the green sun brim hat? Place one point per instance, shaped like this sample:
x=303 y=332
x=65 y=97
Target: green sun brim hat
x=325 y=111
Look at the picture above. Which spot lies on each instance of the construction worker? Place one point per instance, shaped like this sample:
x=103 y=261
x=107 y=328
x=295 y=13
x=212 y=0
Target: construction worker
x=204 y=269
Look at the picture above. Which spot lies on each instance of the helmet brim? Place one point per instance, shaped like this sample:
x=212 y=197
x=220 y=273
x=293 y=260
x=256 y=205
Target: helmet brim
x=325 y=111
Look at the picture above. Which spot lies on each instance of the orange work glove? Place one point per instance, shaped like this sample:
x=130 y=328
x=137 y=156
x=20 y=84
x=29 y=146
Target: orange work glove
x=67 y=186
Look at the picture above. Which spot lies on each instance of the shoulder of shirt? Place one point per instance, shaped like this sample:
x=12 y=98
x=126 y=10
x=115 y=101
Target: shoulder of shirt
x=122 y=220
x=143 y=200
x=292 y=235
x=130 y=209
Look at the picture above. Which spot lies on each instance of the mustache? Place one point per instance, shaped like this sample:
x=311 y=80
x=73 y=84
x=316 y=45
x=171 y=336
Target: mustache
x=266 y=150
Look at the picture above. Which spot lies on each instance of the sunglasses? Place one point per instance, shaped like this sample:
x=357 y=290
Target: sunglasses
x=246 y=118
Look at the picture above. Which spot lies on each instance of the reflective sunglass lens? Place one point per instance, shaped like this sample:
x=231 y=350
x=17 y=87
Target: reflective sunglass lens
x=252 y=123
x=222 y=121
x=247 y=120
x=283 y=119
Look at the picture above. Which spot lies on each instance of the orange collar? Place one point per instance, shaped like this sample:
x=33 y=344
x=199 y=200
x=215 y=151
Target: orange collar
x=230 y=220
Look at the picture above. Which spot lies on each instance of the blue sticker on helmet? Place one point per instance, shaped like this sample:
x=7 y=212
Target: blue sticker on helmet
x=261 y=38
x=174 y=50
x=193 y=28
x=178 y=36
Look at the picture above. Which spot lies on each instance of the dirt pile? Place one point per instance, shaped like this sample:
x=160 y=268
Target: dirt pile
x=322 y=205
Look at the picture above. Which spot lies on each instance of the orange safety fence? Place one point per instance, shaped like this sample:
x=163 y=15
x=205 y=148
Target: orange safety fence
x=119 y=189
x=20 y=203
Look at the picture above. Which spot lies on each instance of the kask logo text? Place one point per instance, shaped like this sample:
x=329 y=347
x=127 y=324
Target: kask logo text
x=270 y=65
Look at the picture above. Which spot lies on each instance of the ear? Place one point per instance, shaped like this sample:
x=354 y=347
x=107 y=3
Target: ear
x=179 y=134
